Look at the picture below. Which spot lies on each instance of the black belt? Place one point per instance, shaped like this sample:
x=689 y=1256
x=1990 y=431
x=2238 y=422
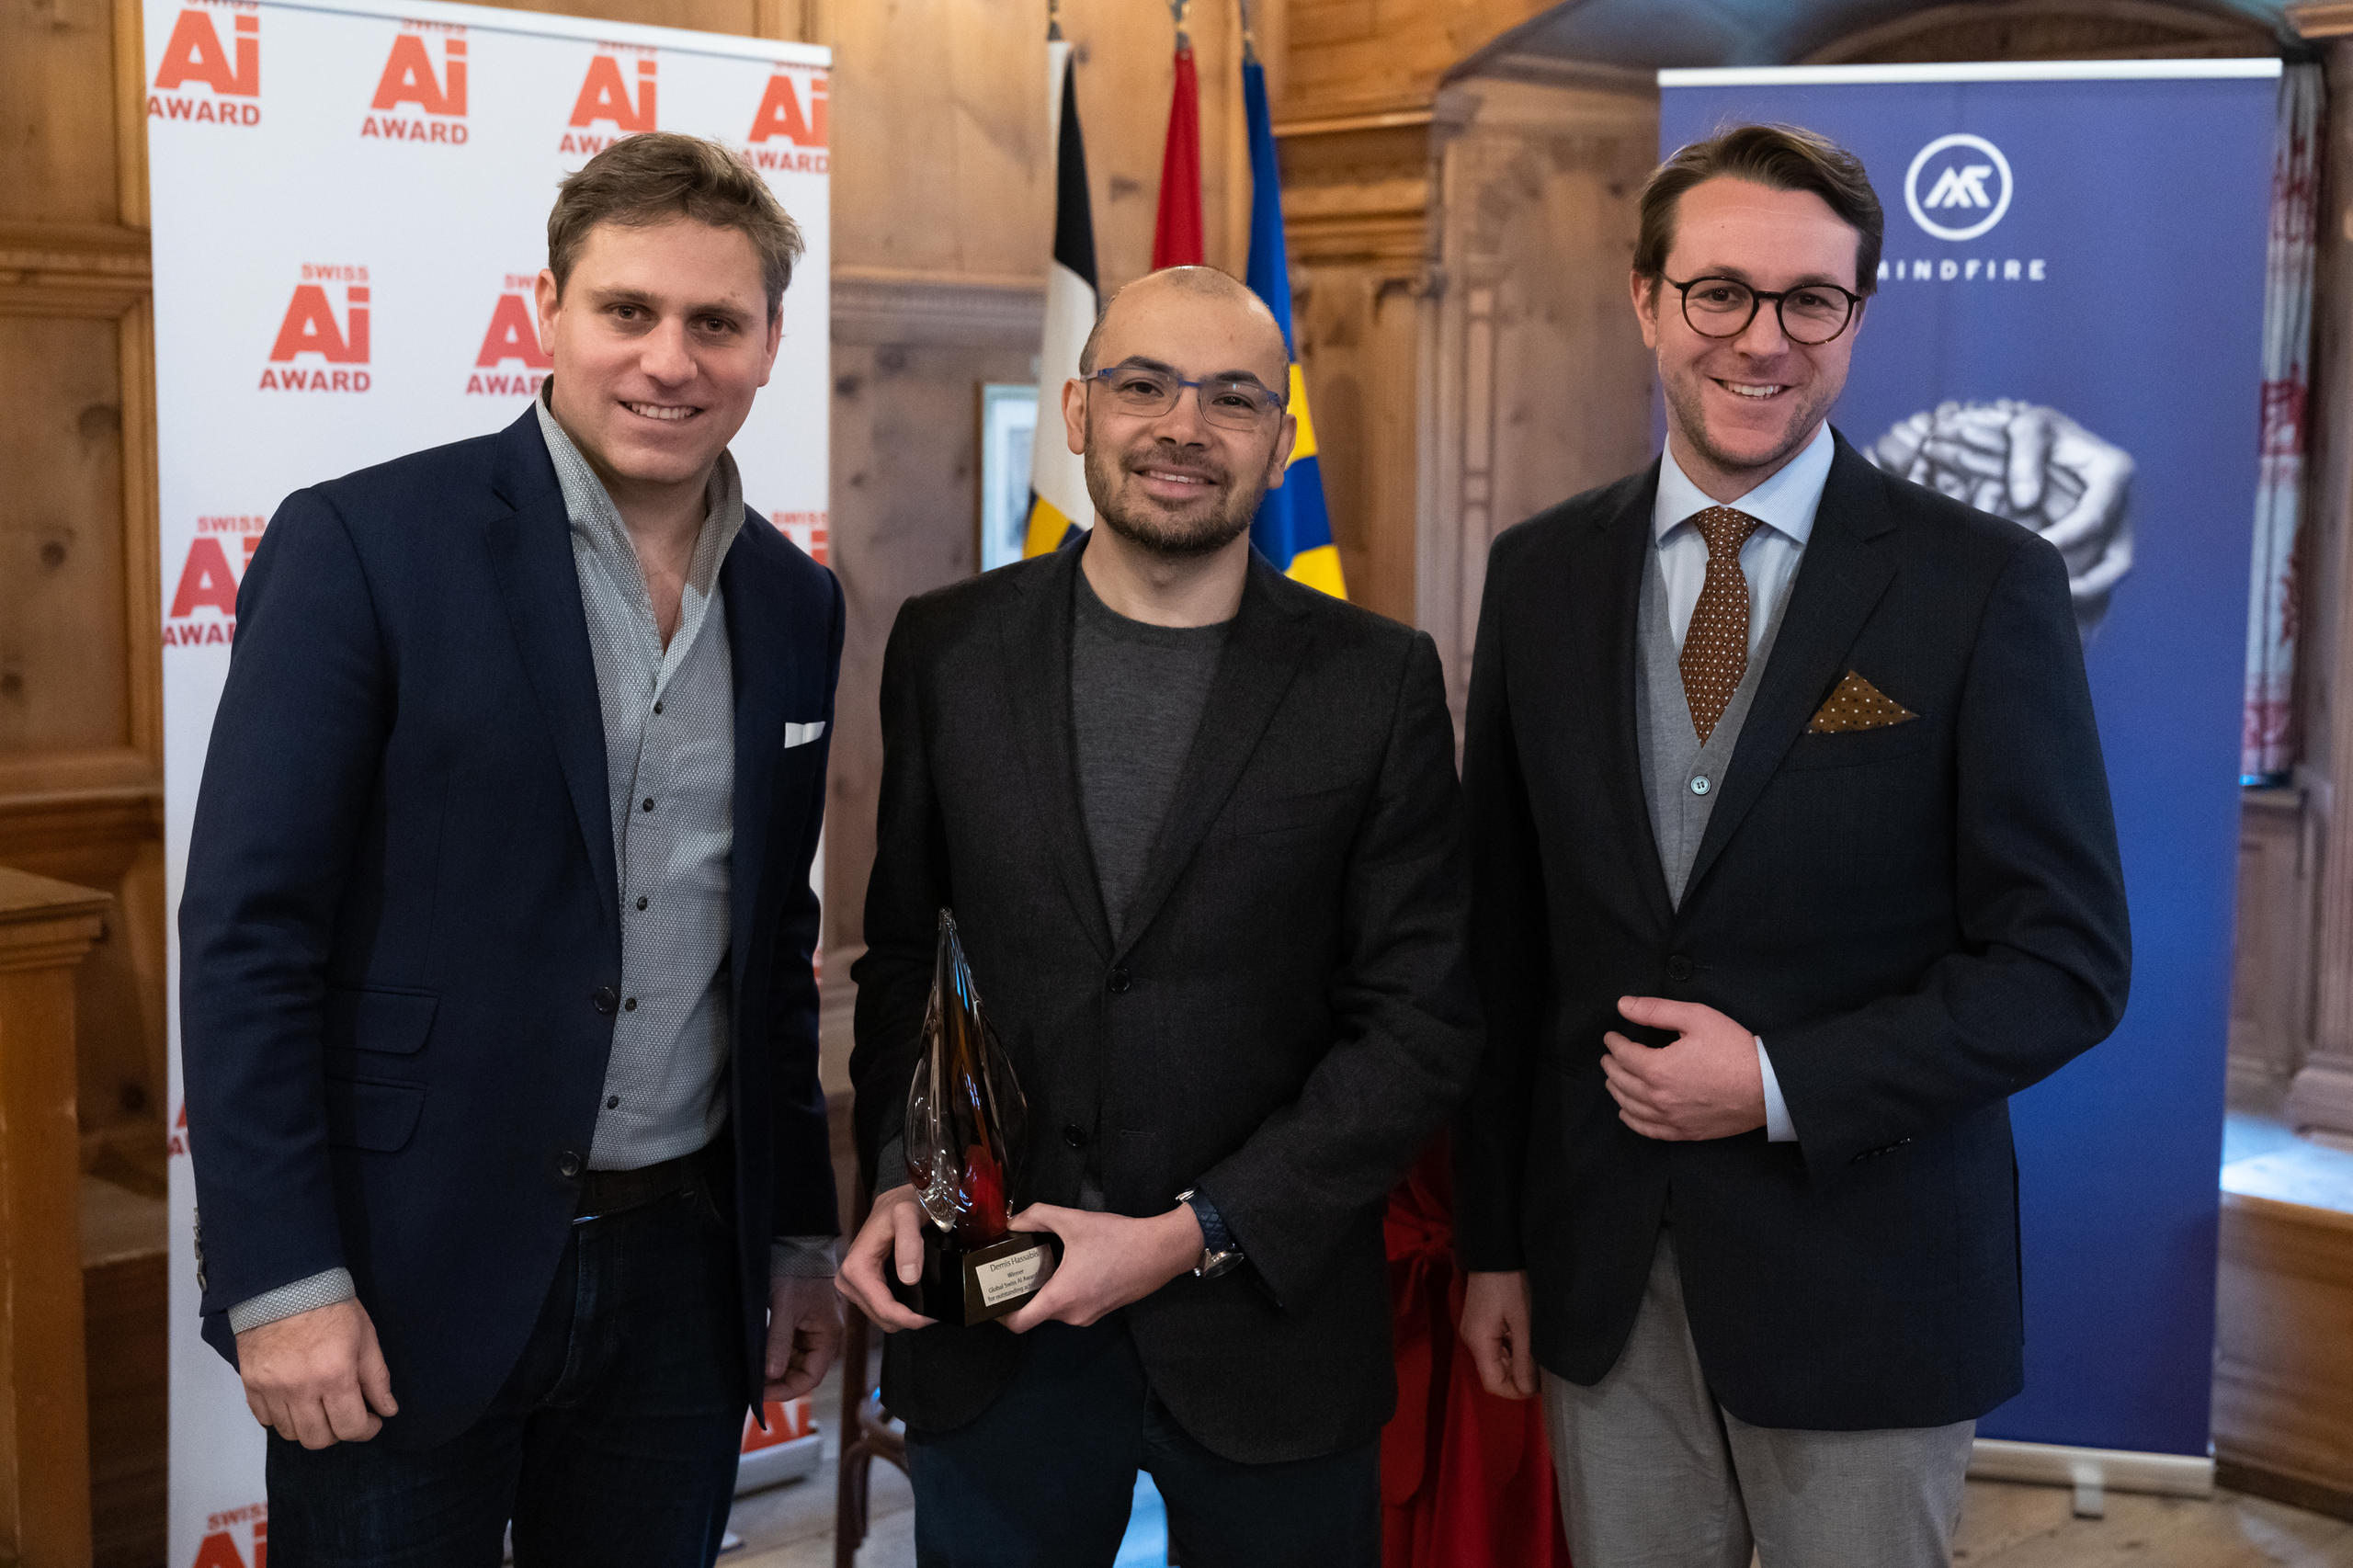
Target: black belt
x=615 y=1192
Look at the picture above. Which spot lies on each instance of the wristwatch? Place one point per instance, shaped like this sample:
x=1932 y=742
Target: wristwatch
x=1218 y=1253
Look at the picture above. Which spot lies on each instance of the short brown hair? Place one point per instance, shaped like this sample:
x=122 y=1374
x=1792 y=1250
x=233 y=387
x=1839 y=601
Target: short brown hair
x=661 y=176
x=1780 y=157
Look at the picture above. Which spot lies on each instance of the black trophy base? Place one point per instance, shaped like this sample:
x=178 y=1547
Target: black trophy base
x=981 y=1285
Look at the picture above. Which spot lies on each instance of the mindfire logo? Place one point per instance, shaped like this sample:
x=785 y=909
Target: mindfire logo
x=1961 y=165
x=792 y=111
x=605 y=99
x=195 y=56
x=410 y=79
x=512 y=338
x=311 y=328
x=208 y=581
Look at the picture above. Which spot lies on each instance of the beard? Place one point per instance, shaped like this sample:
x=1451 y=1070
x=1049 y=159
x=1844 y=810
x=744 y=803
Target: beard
x=1202 y=526
x=1806 y=411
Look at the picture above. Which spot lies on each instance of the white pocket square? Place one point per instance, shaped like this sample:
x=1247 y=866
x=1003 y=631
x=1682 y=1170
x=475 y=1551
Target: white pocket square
x=801 y=734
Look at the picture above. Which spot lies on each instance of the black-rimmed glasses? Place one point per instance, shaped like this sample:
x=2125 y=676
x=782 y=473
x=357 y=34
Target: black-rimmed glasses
x=1238 y=403
x=1811 y=313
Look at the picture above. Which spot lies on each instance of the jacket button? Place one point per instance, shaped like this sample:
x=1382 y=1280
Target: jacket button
x=1119 y=981
x=569 y=1166
x=1680 y=968
x=605 y=999
x=1074 y=1135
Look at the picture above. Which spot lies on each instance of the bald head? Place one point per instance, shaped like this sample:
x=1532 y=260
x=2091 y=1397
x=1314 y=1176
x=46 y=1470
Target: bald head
x=1190 y=289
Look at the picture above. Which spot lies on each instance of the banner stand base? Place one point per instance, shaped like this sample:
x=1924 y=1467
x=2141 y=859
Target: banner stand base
x=2093 y=1472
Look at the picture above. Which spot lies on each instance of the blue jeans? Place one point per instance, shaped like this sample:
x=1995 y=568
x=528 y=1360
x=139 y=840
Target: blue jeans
x=613 y=1441
x=1042 y=1478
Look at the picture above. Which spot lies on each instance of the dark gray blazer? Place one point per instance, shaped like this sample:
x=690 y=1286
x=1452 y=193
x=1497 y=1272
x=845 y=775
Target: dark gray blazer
x=1287 y=1020
x=1920 y=920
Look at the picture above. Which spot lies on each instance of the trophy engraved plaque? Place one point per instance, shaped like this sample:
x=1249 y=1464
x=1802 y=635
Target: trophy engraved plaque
x=965 y=1123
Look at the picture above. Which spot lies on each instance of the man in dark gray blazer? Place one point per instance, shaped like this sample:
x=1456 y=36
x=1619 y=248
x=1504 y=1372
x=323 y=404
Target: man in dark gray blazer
x=1200 y=829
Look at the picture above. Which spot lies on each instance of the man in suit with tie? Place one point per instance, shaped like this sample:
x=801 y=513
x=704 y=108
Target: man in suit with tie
x=1200 y=829
x=1793 y=859
x=497 y=997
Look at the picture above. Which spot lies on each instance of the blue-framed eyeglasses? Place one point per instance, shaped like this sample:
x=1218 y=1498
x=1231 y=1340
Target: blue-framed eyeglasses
x=1148 y=392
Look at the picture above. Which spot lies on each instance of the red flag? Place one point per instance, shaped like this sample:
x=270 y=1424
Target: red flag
x=1176 y=236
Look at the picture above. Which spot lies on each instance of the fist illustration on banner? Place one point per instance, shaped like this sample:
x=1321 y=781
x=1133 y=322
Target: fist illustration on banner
x=2033 y=465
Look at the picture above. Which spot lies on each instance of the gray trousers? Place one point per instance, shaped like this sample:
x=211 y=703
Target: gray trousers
x=1656 y=1474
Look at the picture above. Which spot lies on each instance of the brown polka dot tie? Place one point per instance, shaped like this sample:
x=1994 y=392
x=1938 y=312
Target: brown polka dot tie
x=1715 y=646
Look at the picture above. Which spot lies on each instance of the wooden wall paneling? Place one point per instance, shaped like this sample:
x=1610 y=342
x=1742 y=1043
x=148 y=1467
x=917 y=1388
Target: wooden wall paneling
x=2049 y=29
x=907 y=353
x=2283 y=1383
x=58 y=117
x=1355 y=198
x=125 y=1294
x=130 y=85
x=939 y=129
x=1346 y=57
x=2271 y=993
x=2322 y=1094
x=80 y=656
x=1539 y=385
x=45 y=929
x=741 y=17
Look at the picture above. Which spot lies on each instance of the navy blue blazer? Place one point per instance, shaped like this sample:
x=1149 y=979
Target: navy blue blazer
x=400 y=931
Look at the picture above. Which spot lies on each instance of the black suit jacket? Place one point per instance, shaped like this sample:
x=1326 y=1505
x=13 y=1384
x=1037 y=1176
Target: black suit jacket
x=400 y=927
x=1286 y=1019
x=1919 y=921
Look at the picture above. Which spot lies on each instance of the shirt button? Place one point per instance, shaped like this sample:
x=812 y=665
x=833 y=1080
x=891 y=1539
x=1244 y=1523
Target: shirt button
x=1699 y=786
x=630 y=1005
x=605 y=999
x=612 y=1102
x=657 y=708
x=1119 y=981
x=568 y=1165
x=1074 y=1135
x=641 y=904
x=647 y=804
x=1680 y=968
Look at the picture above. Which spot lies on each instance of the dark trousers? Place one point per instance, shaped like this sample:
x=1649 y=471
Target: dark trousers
x=613 y=1442
x=1043 y=1477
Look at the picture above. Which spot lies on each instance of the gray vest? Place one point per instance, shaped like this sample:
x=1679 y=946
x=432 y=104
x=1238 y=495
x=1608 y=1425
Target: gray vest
x=1681 y=779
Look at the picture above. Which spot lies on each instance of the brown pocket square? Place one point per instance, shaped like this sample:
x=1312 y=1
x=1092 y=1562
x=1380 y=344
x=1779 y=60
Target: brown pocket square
x=1858 y=705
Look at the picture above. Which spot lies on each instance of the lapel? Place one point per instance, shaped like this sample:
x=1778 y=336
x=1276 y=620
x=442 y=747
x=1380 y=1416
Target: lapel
x=531 y=556
x=1598 y=663
x=764 y=665
x=1035 y=671
x=1850 y=560
x=1262 y=655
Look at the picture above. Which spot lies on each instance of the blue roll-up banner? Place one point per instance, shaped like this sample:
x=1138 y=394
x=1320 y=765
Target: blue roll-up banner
x=2067 y=331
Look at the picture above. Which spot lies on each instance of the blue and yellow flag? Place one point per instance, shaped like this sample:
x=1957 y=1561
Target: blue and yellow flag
x=1293 y=529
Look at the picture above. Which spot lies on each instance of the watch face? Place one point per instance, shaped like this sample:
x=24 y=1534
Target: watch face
x=1216 y=1263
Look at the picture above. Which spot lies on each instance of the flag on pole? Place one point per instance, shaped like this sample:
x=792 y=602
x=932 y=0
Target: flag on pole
x=1057 y=476
x=1177 y=234
x=1293 y=529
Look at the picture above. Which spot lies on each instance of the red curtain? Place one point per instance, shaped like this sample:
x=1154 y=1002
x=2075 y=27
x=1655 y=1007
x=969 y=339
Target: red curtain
x=1466 y=1479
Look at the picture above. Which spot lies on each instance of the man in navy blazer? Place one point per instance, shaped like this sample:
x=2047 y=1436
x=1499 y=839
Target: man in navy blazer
x=499 y=1014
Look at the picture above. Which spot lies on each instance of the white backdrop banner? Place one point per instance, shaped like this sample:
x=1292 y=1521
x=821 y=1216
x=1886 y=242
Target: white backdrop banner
x=350 y=202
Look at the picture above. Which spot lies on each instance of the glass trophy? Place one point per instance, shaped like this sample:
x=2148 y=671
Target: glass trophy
x=965 y=1124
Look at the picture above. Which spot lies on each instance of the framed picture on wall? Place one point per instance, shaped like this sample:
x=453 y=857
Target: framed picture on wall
x=1008 y=422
